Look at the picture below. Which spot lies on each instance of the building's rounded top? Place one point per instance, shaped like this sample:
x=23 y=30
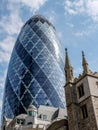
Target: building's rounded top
x=37 y=18
x=32 y=107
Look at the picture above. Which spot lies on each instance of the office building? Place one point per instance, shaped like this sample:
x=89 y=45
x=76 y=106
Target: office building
x=35 y=73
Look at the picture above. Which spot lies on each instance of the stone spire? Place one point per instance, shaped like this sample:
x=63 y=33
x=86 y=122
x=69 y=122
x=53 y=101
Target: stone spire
x=85 y=64
x=68 y=69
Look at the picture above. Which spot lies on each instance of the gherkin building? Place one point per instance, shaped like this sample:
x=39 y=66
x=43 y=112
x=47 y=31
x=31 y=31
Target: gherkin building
x=36 y=69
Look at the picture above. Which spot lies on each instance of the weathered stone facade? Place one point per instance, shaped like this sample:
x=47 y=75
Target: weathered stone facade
x=82 y=98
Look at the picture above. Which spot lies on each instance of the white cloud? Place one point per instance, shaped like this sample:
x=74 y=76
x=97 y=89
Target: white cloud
x=6 y=48
x=51 y=19
x=92 y=9
x=0 y=104
x=74 y=7
x=88 y=7
x=12 y=23
x=2 y=79
x=89 y=29
x=52 y=16
x=34 y=5
x=4 y=57
x=1 y=84
x=82 y=33
x=7 y=44
x=70 y=25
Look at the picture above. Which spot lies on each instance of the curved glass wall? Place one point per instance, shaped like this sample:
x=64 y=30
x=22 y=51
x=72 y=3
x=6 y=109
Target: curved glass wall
x=36 y=69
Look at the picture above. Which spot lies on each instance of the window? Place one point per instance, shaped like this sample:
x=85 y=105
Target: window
x=43 y=117
x=29 y=123
x=84 y=111
x=4 y=128
x=32 y=113
x=81 y=90
x=97 y=84
x=20 y=121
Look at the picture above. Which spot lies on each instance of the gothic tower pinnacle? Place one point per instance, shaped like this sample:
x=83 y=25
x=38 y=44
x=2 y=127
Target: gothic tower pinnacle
x=68 y=69
x=85 y=64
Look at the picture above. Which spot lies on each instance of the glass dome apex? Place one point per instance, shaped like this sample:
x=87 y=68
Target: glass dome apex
x=39 y=17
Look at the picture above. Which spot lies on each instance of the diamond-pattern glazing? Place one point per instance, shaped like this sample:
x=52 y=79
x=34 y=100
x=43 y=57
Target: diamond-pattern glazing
x=35 y=74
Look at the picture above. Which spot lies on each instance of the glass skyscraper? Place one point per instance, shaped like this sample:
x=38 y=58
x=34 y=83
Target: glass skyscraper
x=36 y=69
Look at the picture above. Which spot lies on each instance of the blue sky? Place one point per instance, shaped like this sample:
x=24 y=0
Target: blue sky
x=76 y=22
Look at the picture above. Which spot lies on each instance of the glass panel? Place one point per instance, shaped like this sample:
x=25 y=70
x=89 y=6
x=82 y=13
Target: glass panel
x=41 y=78
x=39 y=46
x=35 y=28
x=27 y=78
x=39 y=33
x=35 y=39
x=27 y=99
x=28 y=60
x=30 y=33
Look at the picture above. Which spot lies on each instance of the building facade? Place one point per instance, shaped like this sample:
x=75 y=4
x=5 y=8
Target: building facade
x=81 y=97
x=43 y=118
x=35 y=73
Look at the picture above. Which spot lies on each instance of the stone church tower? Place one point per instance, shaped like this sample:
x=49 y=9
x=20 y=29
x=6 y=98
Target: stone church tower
x=81 y=97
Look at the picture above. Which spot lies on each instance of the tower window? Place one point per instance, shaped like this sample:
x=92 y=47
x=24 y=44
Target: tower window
x=32 y=113
x=43 y=117
x=97 y=84
x=29 y=123
x=81 y=90
x=84 y=111
x=20 y=121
